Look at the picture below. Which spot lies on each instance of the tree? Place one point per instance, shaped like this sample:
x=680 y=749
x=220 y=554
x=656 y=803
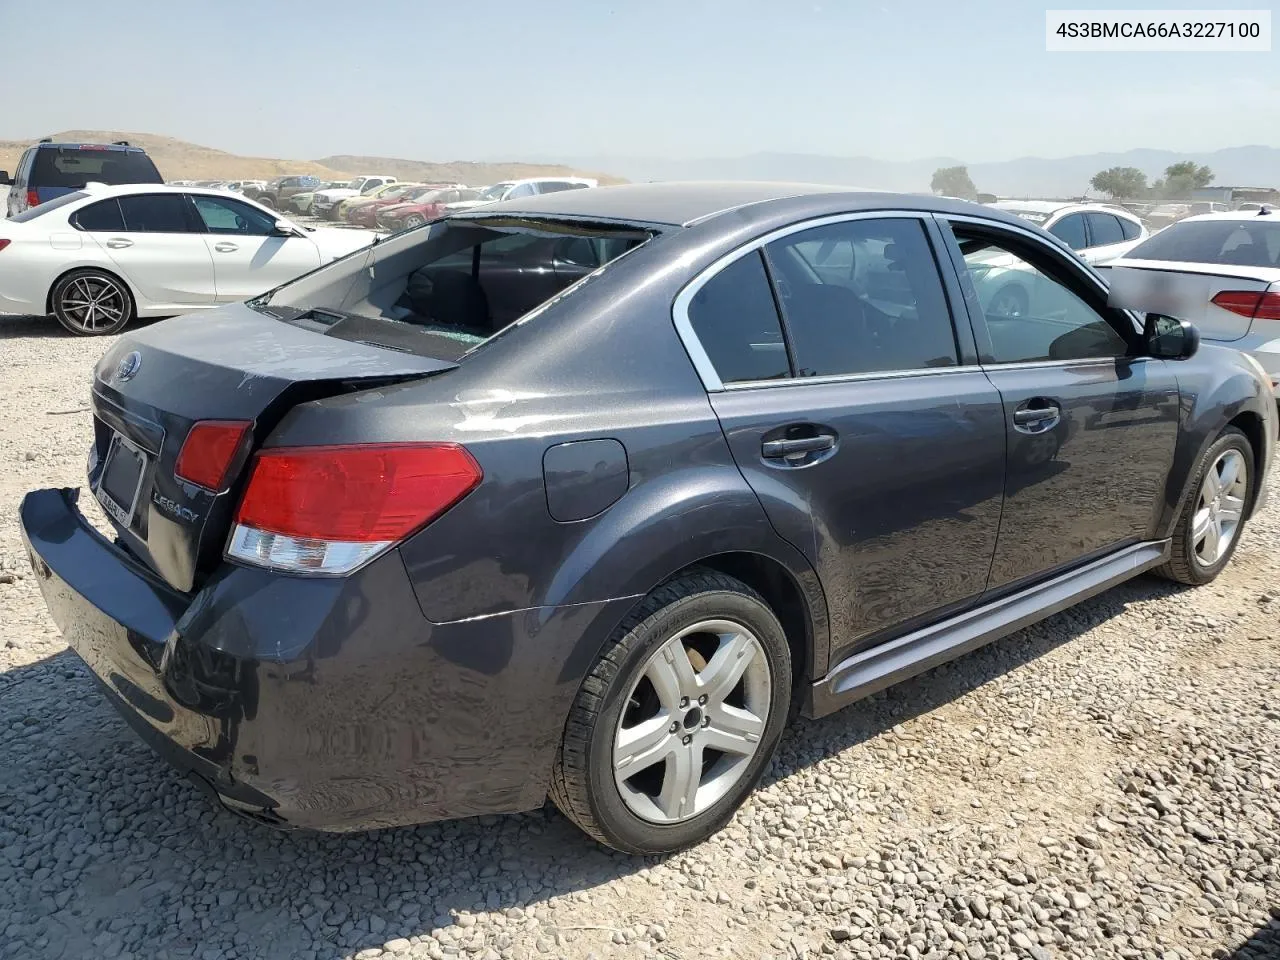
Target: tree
x=1181 y=178
x=953 y=182
x=1120 y=183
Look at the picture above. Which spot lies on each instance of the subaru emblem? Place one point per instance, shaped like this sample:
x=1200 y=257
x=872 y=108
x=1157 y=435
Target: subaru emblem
x=128 y=366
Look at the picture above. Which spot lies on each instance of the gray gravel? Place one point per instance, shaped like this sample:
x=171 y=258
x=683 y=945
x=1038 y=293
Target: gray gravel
x=1103 y=784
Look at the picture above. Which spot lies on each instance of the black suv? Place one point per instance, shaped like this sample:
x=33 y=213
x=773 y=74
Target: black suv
x=579 y=494
x=49 y=170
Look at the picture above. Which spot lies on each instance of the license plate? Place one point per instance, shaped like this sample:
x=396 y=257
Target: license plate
x=121 y=480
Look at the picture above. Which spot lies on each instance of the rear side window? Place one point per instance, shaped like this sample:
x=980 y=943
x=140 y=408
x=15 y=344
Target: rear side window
x=101 y=217
x=1070 y=230
x=736 y=321
x=863 y=296
x=75 y=167
x=1104 y=229
x=1244 y=243
x=1130 y=229
x=155 y=213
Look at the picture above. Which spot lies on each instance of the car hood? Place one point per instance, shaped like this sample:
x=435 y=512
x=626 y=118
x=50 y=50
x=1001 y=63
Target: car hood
x=398 y=209
x=338 y=193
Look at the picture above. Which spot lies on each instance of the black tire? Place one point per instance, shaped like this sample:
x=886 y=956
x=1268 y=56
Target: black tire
x=71 y=288
x=268 y=201
x=1184 y=565
x=582 y=783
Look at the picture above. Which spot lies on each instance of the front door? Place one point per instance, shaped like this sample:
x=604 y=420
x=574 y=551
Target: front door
x=248 y=258
x=151 y=240
x=1091 y=424
x=875 y=451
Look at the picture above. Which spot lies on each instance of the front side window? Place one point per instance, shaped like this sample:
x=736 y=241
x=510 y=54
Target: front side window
x=155 y=213
x=1104 y=229
x=736 y=321
x=1070 y=230
x=224 y=215
x=863 y=296
x=521 y=191
x=1030 y=314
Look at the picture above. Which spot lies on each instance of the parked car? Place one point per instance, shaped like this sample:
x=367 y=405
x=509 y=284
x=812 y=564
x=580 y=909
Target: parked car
x=519 y=189
x=1097 y=232
x=326 y=201
x=1164 y=214
x=1208 y=206
x=279 y=191
x=99 y=257
x=49 y=170
x=397 y=188
x=364 y=213
x=423 y=206
x=385 y=554
x=301 y=202
x=1221 y=271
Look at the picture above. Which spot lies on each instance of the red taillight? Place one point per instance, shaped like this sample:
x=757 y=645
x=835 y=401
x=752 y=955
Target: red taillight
x=1250 y=303
x=208 y=451
x=329 y=509
x=33 y=199
x=3 y=243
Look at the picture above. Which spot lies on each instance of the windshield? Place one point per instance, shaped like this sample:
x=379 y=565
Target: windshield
x=458 y=282
x=1242 y=243
x=355 y=184
x=494 y=192
x=74 y=167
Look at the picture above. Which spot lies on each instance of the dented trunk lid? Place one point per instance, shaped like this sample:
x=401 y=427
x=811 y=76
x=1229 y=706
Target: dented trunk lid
x=233 y=363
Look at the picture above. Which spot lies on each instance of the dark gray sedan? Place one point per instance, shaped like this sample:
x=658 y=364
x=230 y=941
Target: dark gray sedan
x=578 y=495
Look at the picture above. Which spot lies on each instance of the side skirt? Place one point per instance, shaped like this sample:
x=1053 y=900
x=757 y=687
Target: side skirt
x=870 y=671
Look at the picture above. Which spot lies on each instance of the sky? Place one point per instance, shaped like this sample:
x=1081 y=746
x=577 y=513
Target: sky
x=679 y=79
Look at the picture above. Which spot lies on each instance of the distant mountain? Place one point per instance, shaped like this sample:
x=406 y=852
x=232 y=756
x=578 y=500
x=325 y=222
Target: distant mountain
x=1025 y=177
x=180 y=160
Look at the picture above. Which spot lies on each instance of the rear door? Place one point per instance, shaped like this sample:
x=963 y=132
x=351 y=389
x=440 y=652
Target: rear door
x=1090 y=423
x=874 y=442
x=1106 y=237
x=151 y=238
x=247 y=258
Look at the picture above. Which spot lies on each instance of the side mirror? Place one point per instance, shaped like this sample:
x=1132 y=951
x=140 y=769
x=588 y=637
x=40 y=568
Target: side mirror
x=1169 y=338
x=5 y=179
x=283 y=228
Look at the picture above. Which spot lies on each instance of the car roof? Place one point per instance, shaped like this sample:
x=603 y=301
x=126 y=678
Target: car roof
x=678 y=203
x=67 y=145
x=1057 y=206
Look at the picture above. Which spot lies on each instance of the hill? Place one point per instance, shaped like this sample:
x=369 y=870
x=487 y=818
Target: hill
x=180 y=160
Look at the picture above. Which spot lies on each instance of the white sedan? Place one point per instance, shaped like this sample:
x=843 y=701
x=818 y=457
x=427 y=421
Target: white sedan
x=97 y=258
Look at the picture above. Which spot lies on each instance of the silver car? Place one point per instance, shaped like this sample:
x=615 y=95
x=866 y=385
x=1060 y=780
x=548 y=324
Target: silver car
x=1221 y=271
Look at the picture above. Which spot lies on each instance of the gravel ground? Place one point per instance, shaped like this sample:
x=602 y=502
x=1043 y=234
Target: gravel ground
x=1103 y=784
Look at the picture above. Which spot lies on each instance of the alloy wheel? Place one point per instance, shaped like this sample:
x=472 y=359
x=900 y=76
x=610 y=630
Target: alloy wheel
x=93 y=303
x=692 y=721
x=1221 y=507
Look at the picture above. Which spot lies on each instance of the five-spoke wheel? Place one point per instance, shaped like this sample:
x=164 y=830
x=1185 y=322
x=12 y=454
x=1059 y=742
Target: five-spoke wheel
x=91 y=303
x=675 y=725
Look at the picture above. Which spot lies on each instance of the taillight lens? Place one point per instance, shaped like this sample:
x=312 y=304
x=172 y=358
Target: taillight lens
x=1250 y=303
x=209 y=450
x=33 y=199
x=330 y=509
x=3 y=243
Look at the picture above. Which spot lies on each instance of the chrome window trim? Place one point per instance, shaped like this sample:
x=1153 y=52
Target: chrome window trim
x=680 y=308
x=854 y=377
x=1037 y=238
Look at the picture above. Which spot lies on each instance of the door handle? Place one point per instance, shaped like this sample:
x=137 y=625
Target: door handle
x=225 y=247
x=1036 y=416
x=781 y=449
x=119 y=243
